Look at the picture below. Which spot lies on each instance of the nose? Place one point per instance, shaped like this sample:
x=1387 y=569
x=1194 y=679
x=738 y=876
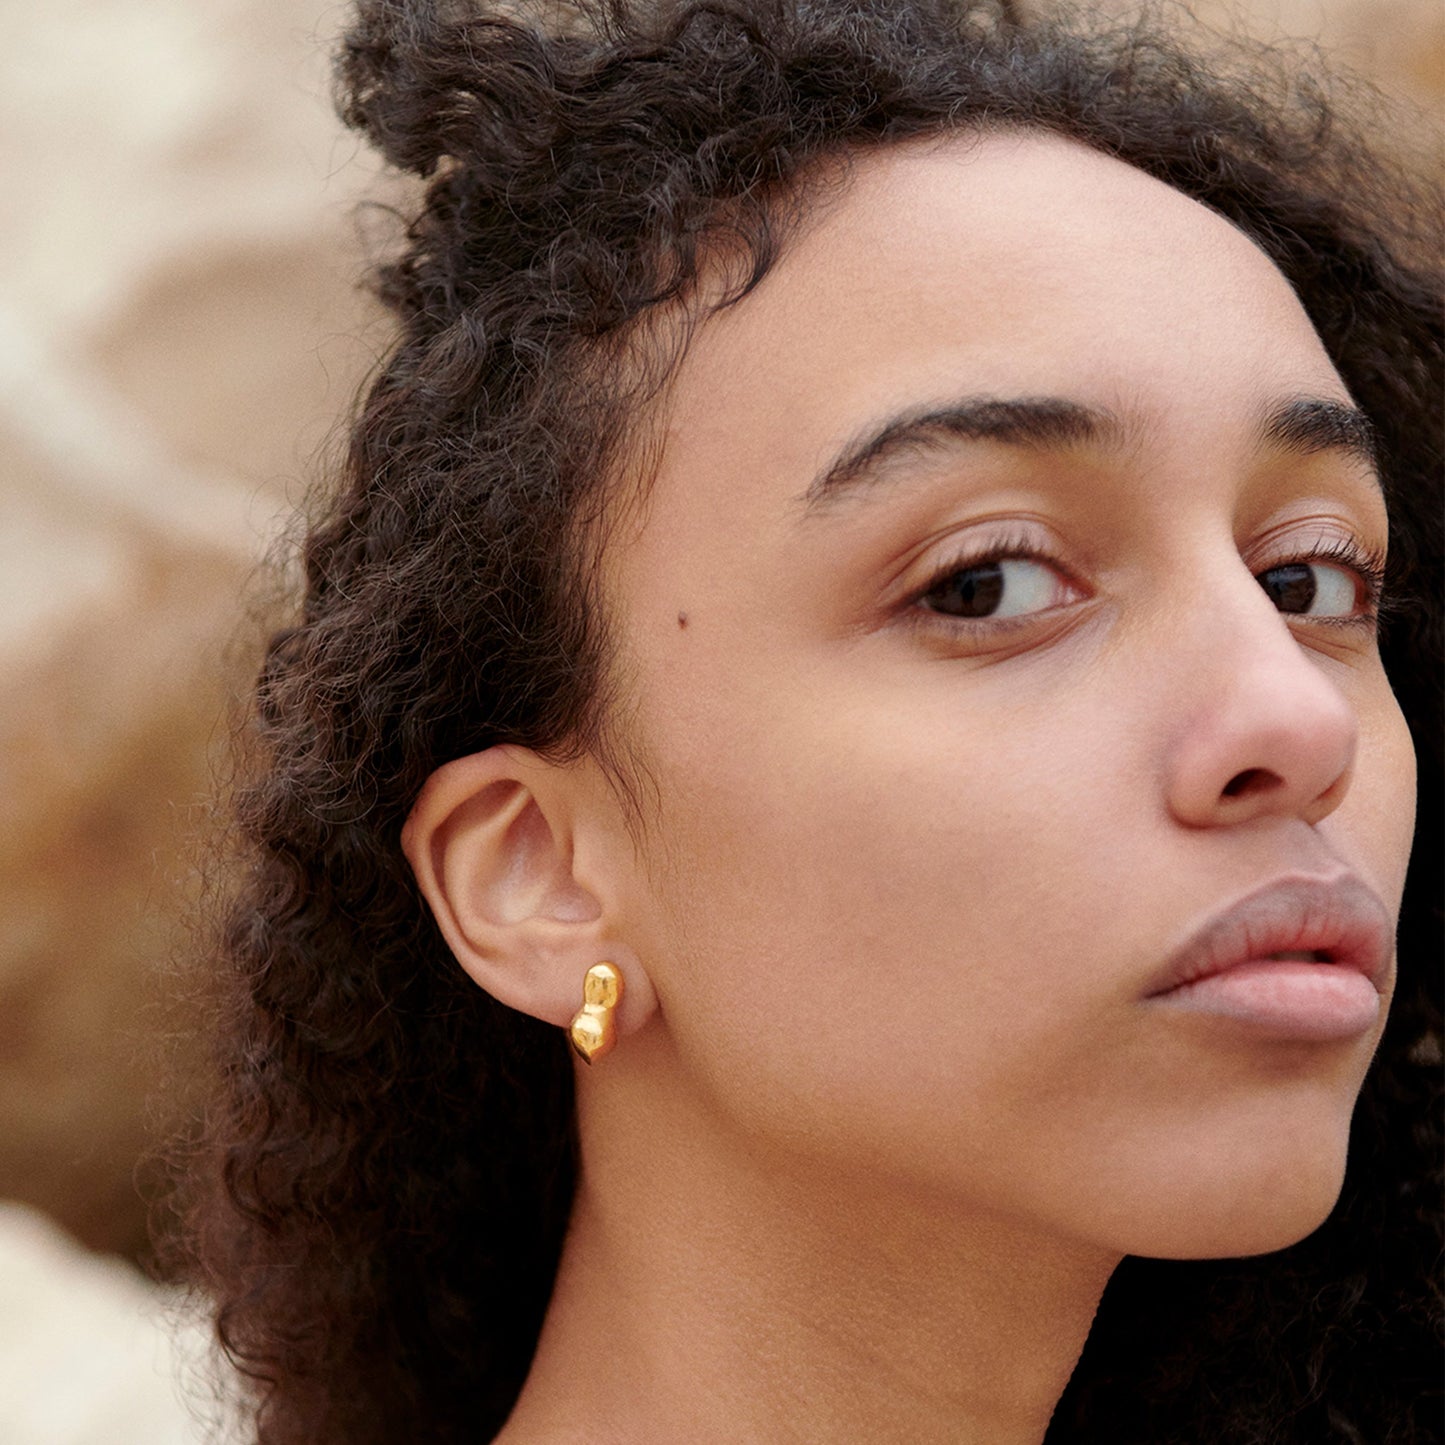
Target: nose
x=1264 y=730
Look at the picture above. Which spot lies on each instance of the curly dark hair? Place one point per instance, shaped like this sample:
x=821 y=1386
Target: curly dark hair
x=377 y=1199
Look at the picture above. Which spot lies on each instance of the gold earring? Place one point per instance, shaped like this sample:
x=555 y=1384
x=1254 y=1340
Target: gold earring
x=594 y=1029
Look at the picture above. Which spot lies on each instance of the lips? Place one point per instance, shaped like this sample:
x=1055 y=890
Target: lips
x=1336 y=922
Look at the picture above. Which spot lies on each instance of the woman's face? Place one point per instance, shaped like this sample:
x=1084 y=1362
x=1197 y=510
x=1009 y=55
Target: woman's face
x=961 y=729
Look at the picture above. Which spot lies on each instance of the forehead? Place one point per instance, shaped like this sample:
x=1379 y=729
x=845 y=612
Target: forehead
x=1006 y=264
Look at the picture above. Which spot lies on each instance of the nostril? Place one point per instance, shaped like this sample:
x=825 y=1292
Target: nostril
x=1251 y=782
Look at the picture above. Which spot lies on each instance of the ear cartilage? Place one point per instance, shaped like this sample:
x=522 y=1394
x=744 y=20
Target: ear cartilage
x=593 y=1030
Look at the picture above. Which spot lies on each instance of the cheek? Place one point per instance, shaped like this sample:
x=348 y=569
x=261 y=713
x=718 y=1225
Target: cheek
x=865 y=926
x=1374 y=827
x=1399 y=768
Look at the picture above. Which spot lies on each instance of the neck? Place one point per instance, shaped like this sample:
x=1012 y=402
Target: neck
x=709 y=1292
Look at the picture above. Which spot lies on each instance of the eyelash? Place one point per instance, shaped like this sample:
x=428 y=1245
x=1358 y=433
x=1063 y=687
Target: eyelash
x=1367 y=563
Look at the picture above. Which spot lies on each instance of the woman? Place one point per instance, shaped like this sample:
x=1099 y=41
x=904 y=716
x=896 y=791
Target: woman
x=859 y=597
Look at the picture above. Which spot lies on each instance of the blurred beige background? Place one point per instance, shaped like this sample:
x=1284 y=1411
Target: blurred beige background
x=179 y=331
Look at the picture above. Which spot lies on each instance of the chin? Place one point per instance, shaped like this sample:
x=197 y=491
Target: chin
x=1262 y=1231
x=1244 y=1207
x=1233 y=1183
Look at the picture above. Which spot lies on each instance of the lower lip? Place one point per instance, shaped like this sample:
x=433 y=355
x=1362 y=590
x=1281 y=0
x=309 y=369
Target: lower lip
x=1314 y=1002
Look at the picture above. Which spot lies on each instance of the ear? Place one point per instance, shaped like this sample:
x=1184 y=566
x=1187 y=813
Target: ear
x=491 y=840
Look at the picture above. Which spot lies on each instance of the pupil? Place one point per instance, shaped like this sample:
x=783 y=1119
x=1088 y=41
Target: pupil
x=1291 y=588
x=974 y=592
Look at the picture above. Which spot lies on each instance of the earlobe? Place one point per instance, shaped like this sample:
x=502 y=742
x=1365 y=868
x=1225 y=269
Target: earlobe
x=491 y=842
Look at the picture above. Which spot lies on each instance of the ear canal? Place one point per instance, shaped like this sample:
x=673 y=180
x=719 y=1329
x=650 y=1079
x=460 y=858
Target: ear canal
x=593 y=1030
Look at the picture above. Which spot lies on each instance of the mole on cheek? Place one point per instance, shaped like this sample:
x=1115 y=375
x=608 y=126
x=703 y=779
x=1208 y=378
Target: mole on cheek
x=682 y=619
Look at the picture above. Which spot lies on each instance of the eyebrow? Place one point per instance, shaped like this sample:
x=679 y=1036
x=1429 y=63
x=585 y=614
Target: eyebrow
x=1308 y=425
x=1302 y=426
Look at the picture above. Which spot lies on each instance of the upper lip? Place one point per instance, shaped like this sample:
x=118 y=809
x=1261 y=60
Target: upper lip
x=1340 y=920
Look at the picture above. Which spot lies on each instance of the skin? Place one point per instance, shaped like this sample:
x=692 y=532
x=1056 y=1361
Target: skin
x=888 y=1104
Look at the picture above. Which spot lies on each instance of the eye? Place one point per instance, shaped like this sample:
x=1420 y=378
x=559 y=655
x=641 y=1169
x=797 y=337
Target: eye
x=997 y=587
x=1318 y=589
